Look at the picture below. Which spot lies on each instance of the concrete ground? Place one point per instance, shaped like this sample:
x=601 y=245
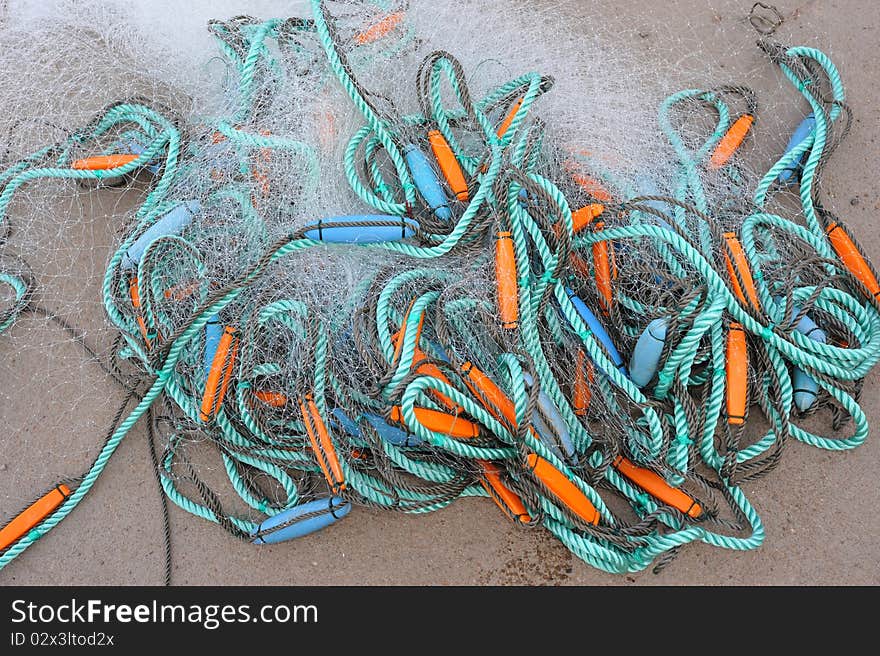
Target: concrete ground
x=819 y=508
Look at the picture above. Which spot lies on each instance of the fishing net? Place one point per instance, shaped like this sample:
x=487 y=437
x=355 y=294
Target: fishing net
x=349 y=257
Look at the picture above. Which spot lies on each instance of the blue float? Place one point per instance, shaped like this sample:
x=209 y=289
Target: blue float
x=347 y=424
x=427 y=182
x=392 y=434
x=790 y=174
x=315 y=515
x=598 y=330
x=213 y=333
x=135 y=148
x=387 y=432
x=646 y=355
x=647 y=187
x=806 y=389
x=326 y=229
x=171 y=223
x=546 y=408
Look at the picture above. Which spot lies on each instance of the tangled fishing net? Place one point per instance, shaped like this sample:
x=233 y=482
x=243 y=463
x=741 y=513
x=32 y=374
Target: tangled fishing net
x=368 y=269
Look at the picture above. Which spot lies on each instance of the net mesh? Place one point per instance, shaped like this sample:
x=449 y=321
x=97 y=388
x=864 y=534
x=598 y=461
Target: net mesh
x=353 y=257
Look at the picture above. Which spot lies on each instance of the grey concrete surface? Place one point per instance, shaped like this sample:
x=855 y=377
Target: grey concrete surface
x=820 y=509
